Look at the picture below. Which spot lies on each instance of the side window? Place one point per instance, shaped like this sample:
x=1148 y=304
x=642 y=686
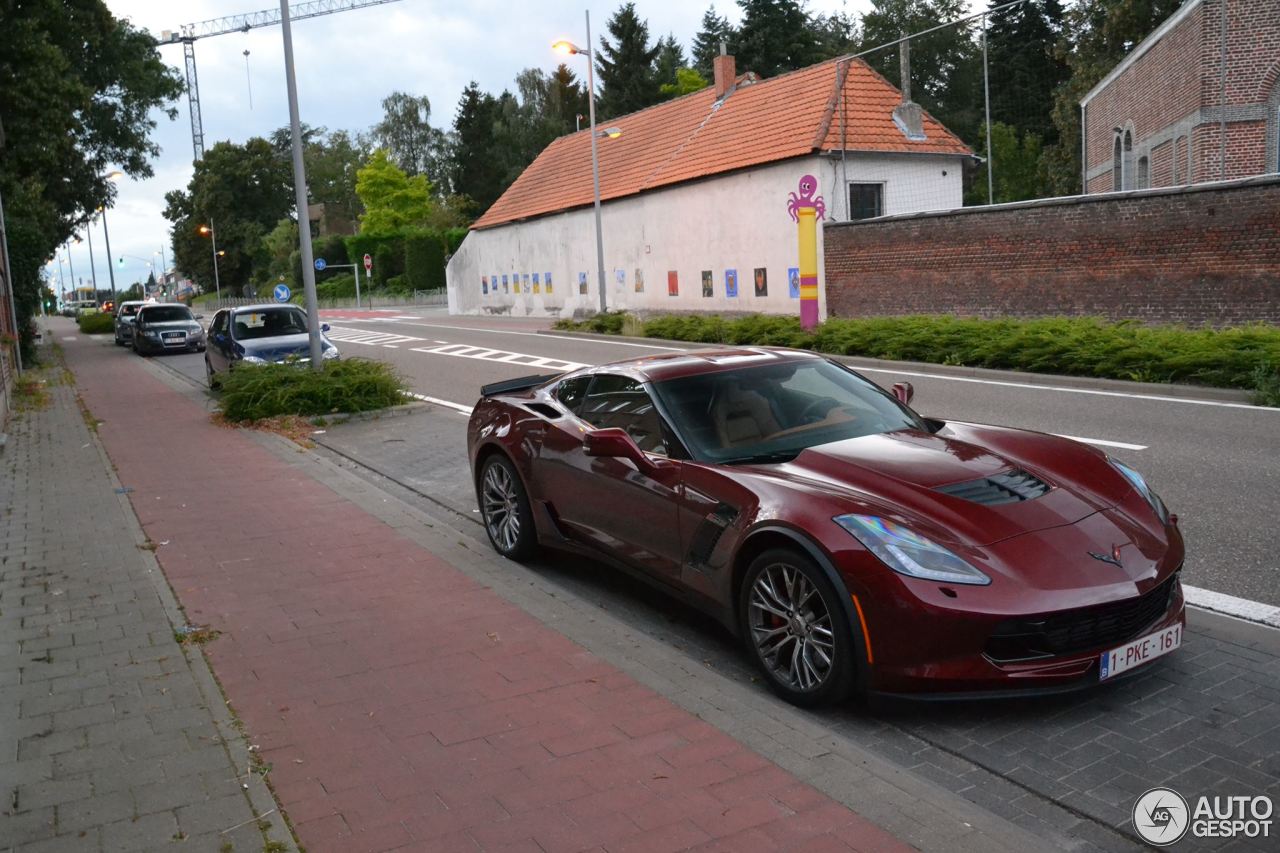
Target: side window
x=618 y=401
x=219 y=324
x=571 y=392
x=866 y=201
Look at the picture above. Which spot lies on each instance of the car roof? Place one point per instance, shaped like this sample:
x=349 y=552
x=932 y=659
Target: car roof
x=162 y=305
x=677 y=365
x=263 y=306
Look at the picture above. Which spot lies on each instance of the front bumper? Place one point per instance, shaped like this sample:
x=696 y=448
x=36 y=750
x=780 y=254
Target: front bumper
x=183 y=343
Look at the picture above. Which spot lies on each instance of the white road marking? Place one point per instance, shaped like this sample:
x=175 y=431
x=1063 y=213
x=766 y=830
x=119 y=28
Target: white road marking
x=457 y=407
x=363 y=336
x=485 y=354
x=1093 y=391
x=1104 y=443
x=545 y=335
x=1241 y=608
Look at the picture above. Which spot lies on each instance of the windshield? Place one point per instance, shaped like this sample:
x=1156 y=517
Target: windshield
x=269 y=323
x=166 y=314
x=128 y=310
x=770 y=413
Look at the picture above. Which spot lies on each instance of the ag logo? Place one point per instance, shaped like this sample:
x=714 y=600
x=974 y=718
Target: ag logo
x=1161 y=817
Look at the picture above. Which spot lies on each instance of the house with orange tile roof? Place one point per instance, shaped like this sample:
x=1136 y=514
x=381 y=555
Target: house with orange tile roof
x=695 y=196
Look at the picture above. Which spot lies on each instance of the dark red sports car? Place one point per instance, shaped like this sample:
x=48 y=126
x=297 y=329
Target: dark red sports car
x=851 y=542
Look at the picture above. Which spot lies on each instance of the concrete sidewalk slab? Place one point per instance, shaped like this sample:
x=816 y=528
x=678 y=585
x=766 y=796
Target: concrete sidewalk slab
x=112 y=735
x=399 y=702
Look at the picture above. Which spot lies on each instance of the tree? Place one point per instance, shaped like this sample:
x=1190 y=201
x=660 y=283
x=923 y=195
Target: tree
x=1097 y=34
x=687 y=82
x=77 y=92
x=1016 y=167
x=393 y=200
x=669 y=60
x=715 y=30
x=1025 y=67
x=243 y=190
x=405 y=132
x=332 y=163
x=477 y=167
x=567 y=99
x=836 y=34
x=946 y=65
x=625 y=65
x=774 y=36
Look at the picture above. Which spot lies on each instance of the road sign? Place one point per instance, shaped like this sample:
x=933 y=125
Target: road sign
x=282 y=293
x=368 y=263
x=320 y=265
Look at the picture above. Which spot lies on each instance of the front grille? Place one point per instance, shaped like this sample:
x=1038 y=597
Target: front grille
x=1009 y=487
x=1074 y=631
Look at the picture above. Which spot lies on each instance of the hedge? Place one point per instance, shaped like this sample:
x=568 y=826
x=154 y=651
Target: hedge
x=424 y=260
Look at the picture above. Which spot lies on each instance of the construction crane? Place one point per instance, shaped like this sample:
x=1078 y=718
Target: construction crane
x=188 y=33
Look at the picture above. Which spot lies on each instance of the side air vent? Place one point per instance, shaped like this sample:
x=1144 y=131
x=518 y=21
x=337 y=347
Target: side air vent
x=1007 y=488
x=709 y=532
x=544 y=410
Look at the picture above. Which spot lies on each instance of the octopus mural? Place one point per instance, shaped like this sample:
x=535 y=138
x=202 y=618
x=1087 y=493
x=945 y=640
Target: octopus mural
x=808 y=186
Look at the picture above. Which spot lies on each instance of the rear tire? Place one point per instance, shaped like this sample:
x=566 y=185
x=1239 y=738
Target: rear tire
x=505 y=510
x=796 y=629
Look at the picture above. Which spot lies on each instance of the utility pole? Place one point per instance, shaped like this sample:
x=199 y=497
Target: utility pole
x=300 y=194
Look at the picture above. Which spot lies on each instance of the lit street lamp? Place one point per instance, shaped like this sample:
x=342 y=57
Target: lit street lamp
x=568 y=48
x=208 y=231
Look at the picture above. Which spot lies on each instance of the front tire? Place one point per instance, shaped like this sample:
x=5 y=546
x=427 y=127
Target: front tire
x=214 y=384
x=796 y=629
x=504 y=507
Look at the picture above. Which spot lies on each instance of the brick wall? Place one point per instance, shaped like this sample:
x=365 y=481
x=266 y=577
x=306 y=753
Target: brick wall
x=1206 y=254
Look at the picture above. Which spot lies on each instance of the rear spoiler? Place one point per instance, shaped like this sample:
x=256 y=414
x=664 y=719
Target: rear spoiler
x=524 y=383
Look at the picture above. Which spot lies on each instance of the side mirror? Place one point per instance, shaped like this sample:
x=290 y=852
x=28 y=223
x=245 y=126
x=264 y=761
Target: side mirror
x=614 y=443
x=219 y=338
x=904 y=391
x=324 y=327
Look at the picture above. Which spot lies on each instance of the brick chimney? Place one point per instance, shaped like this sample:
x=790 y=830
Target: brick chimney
x=725 y=72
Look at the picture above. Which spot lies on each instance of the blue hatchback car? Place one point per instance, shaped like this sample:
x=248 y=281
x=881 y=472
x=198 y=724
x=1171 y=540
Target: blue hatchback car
x=260 y=334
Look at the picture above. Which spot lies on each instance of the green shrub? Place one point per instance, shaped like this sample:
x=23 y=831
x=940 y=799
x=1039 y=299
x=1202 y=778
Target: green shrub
x=337 y=287
x=388 y=261
x=96 y=324
x=424 y=260
x=453 y=239
x=1237 y=357
x=398 y=286
x=253 y=392
x=333 y=249
x=608 y=323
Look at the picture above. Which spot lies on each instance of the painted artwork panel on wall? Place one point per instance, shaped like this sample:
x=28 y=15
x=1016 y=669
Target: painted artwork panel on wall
x=639 y=280
x=526 y=283
x=515 y=282
x=673 y=283
x=546 y=280
x=505 y=284
x=537 y=283
x=762 y=281
x=793 y=282
x=484 y=285
x=731 y=283
x=582 y=283
x=708 y=289
x=493 y=284
x=620 y=280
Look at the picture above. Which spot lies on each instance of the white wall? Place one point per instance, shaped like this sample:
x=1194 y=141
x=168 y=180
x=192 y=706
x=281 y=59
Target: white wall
x=735 y=221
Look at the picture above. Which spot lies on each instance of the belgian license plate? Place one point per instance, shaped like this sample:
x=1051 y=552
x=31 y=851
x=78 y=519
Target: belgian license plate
x=1139 y=651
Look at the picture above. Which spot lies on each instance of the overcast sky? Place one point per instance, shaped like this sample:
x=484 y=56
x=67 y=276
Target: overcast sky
x=346 y=63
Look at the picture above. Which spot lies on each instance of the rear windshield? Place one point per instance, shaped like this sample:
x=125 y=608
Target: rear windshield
x=167 y=313
x=128 y=310
x=269 y=323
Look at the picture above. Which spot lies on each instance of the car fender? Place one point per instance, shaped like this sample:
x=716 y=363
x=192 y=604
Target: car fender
x=825 y=563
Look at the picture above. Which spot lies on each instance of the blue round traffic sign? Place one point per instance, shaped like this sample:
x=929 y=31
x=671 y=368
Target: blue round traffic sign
x=282 y=293
x=320 y=265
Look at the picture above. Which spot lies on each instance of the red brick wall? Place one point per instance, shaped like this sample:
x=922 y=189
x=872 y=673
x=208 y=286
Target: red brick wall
x=1188 y=255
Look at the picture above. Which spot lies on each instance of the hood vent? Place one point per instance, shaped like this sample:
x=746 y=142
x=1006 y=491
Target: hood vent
x=1007 y=488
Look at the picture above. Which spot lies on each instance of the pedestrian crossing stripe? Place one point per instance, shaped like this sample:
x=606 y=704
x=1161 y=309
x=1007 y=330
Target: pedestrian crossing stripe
x=501 y=356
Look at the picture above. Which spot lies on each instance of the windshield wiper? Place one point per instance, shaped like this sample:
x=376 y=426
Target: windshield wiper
x=763 y=458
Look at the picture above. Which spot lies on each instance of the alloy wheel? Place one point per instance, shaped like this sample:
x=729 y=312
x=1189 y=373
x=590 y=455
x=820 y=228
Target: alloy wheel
x=790 y=625
x=500 y=503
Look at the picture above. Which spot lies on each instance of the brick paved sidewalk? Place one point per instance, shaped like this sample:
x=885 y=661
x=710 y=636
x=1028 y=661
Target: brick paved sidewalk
x=111 y=738
x=399 y=703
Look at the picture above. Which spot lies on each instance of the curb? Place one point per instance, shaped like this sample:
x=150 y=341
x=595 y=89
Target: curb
x=1189 y=392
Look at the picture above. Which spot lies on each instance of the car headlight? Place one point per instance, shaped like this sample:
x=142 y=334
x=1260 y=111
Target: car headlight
x=150 y=334
x=1140 y=483
x=909 y=553
x=253 y=359
x=330 y=352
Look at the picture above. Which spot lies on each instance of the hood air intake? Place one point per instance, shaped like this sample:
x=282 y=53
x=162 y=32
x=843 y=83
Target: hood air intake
x=1007 y=488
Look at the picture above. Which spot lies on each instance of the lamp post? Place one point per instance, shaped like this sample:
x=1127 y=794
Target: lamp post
x=568 y=48
x=208 y=231
x=93 y=267
x=112 y=176
x=164 y=268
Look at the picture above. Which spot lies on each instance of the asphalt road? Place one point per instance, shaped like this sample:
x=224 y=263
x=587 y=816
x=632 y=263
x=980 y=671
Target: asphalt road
x=1217 y=466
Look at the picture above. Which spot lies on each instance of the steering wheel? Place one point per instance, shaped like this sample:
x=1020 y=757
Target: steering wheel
x=817 y=410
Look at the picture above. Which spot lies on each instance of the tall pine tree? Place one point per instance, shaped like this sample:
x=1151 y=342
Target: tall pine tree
x=775 y=36
x=669 y=60
x=1024 y=67
x=625 y=65
x=477 y=166
x=715 y=30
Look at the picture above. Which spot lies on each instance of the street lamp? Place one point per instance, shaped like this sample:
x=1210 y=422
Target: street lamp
x=113 y=176
x=568 y=48
x=208 y=231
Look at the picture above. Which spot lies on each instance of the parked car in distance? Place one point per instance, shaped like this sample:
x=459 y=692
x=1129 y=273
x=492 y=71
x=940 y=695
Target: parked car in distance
x=88 y=306
x=853 y=544
x=125 y=315
x=260 y=334
x=166 y=327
